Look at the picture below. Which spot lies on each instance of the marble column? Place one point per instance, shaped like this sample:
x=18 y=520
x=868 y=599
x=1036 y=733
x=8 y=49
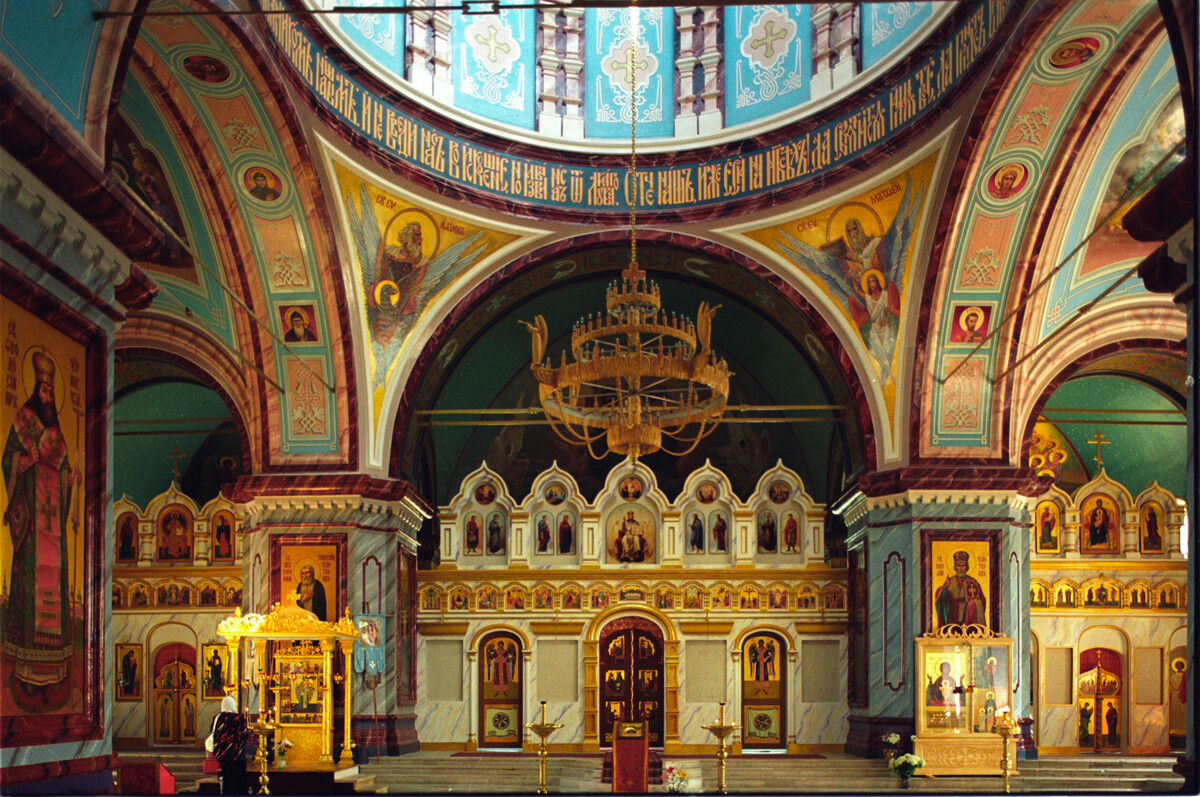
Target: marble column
x=370 y=525
x=893 y=523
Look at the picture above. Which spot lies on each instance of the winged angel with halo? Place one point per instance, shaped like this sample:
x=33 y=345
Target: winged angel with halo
x=399 y=277
x=865 y=273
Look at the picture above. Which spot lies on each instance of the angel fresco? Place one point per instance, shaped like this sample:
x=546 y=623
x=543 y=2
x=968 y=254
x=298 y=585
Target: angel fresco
x=401 y=271
x=865 y=273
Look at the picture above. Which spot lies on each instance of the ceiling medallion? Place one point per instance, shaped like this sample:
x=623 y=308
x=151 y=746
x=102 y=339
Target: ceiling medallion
x=639 y=377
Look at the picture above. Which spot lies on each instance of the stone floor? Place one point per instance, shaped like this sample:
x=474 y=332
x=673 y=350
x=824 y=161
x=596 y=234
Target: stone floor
x=431 y=772
x=437 y=772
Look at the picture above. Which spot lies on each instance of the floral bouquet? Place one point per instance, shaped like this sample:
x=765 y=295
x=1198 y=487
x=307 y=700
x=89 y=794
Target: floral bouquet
x=890 y=742
x=281 y=749
x=905 y=765
x=675 y=779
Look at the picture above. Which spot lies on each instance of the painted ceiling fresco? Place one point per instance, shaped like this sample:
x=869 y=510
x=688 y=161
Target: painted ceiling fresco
x=201 y=86
x=1145 y=142
x=439 y=153
x=766 y=59
x=857 y=250
x=408 y=253
x=981 y=266
x=333 y=251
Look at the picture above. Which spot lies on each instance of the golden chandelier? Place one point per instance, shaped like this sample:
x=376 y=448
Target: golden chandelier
x=637 y=376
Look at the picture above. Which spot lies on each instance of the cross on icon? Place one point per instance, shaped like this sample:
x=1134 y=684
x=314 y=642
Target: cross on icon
x=770 y=36
x=493 y=43
x=631 y=66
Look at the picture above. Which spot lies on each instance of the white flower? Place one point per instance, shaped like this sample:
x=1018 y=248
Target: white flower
x=905 y=765
x=890 y=738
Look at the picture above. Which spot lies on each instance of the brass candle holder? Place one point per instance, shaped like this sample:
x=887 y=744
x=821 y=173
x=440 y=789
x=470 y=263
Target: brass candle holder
x=721 y=730
x=1005 y=725
x=262 y=727
x=543 y=729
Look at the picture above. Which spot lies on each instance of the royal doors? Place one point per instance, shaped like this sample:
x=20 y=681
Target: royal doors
x=631 y=677
x=174 y=710
x=1100 y=687
x=764 y=692
x=500 y=723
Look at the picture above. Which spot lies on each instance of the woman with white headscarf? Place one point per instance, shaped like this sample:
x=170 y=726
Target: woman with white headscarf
x=230 y=735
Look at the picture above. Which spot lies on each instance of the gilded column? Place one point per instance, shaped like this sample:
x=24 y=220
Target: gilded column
x=326 y=702
x=346 y=759
x=234 y=645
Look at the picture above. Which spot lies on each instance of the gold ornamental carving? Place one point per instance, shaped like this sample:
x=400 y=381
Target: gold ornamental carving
x=298 y=695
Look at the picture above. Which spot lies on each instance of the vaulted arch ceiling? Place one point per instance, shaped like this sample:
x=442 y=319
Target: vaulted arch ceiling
x=1062 y=92
x=1076 y=118
x=205 y=144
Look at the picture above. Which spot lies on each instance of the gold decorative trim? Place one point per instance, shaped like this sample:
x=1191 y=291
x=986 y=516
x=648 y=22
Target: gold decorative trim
x=442 y=629
x=820 y=628
x=182 y=570
x=540 y=627
x=973 y=631
x=1108 y=565
x=596 y=572
x=286 y=620
x=705 y=626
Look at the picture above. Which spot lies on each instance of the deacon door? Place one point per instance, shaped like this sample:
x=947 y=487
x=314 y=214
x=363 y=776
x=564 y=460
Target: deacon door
x=1100 y=705
x=764 y=692
x=631 y=677
x=500 y=722
x=175 y=705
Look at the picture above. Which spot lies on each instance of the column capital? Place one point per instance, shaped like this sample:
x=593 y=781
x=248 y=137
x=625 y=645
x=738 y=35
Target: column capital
x=954 y=478
x=354 y=499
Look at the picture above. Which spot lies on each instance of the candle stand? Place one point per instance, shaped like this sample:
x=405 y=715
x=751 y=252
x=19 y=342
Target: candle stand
x=262 y=727
x=1005 y=726
x=542 y=729
x=721 y=730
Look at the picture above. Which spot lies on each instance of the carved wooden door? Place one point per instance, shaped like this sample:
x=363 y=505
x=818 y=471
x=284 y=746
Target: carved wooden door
x=764 y=693
x=631 y=677
x=1100 y=704
x=175 y=707
x=500 y=721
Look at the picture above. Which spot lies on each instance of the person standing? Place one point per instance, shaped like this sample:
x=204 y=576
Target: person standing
x=215 y=685
x=40 y=481
x=495 y=542
x=952 y=599
x=129 y=674
x=696 y=544
x=566 y=534
x=791 y=533
x=310 y=592
x=719 y=530
x=230 y=735
x=1111 y=720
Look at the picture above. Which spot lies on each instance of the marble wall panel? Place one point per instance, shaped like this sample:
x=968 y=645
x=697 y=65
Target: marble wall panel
x=1058 y=725
x=825 y=722
x=255 y=593
x=896 y=601
x=379 y=692
x=129 y=719
x=441 y=720
x=1147 y=726
x=820 y=723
